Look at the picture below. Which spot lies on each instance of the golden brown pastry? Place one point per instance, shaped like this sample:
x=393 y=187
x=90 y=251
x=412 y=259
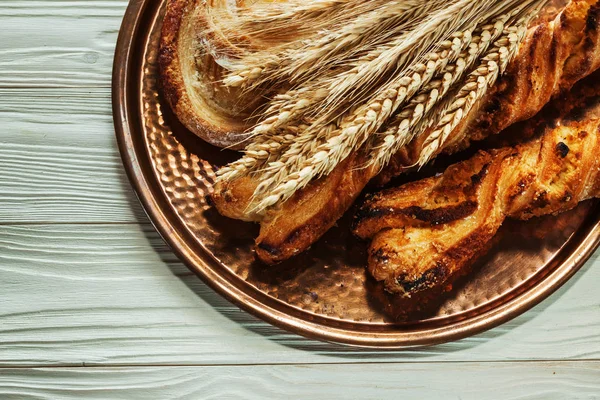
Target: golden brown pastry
x=425 y=233
x=556 y=54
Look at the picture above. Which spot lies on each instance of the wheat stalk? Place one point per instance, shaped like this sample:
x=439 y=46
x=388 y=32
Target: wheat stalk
x=298 y=141
x=276 y=26
x=262 y=149
x=395 y=54
x=476 y=86
x=329 y=152
x=375 y=62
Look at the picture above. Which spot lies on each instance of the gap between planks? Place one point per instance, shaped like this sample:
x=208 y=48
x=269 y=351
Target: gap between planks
x=301 y=364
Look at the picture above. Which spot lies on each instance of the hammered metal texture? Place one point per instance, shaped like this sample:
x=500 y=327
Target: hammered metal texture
x=330 y=279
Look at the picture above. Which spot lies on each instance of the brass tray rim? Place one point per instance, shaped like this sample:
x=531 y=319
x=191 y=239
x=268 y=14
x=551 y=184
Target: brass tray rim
x=178 y=237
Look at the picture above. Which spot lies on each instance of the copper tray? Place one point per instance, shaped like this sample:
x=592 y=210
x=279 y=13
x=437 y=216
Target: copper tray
x=325 y=293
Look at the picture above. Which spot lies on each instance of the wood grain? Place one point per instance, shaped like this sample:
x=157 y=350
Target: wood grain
x=66 y=43
x=115 y=295
x=549 y=381
x=59 y=160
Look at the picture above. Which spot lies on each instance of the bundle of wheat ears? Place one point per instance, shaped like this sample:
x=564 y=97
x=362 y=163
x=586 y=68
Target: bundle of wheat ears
x=344 y=75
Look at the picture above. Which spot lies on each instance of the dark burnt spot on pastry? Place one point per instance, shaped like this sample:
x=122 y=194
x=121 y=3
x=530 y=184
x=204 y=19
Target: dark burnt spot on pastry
x=493 y=105
x=371 y=213
x=292 y=237
x=511 y=87
x=562 y=149
x=484 y=123
x=380 y=256
x=567 y=197
x=541 y=200
x=436 y=216
x=228 y=197
x=591 y=22
x=582 y=134
x=442 y=215
x=272 y=250
x=564 y=22
x=524 y=183
x=520 y=188
x=427 y=280
x=478 y=177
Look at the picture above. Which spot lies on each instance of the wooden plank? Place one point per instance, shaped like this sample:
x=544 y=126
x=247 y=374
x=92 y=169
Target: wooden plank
x=114 y=294
x=66 y=43
x=59 y=160
x=565 y=380
x=63 y=8
x=58 y=184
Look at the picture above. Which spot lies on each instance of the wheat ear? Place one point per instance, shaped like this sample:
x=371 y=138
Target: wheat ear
x=477 y=85
x=309 y=160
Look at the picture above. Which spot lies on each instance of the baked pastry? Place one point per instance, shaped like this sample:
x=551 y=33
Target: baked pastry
x=556 y=54
x=191 y=76
x=426 y=233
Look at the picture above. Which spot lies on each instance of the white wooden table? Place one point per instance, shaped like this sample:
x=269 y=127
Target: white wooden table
x=94 y=305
